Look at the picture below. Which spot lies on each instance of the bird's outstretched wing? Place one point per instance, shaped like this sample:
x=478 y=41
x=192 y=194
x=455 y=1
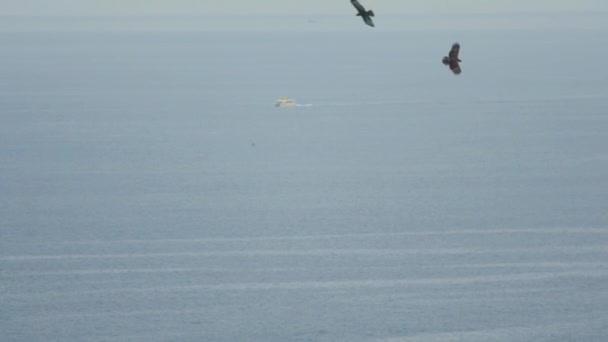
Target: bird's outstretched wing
x=368 y=21
x=357 y=6
x=455 y=67
x=454 y=51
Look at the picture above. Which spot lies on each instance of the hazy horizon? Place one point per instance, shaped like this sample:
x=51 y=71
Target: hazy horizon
x=320 y=22
x=155 y=7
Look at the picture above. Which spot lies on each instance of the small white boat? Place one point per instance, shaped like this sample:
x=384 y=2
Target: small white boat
x=285 y=102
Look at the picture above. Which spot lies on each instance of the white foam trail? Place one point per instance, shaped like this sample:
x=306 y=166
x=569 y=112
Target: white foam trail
x=117 y=271
x=555 y=264
x=111 y=271
x=338 y=285
x=601 y=231
x=562 y=250
x=250 y=253
x=163 y=313
x=466 y=101
x=304 y=105
x=518 y=333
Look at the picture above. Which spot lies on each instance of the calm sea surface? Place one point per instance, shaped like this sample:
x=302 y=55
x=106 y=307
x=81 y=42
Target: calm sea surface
x=150 y=191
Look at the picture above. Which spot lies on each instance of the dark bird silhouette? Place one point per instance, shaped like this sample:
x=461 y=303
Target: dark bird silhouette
x=452 y=59
x=366 y=15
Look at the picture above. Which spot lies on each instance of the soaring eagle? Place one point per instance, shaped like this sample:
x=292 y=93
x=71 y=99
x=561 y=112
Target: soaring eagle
x=366 y=15
x=452 y=59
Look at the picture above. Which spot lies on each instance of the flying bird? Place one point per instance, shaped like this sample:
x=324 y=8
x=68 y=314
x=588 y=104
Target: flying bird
x=452 y=59
x=366 y=15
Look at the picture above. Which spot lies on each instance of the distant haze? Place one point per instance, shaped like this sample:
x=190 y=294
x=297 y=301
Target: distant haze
x=240 y=7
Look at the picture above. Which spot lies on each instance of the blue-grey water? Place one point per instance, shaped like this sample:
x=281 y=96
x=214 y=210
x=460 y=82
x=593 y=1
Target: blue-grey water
x=150 y=191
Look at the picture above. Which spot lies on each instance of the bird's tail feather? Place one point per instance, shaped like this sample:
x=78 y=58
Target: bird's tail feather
x=370 y=13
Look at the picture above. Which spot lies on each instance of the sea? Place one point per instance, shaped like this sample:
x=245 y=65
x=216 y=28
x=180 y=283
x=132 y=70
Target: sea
x=151 y=191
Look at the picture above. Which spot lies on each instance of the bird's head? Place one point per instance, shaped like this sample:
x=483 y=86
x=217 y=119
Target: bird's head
x=445 y=60
x=358 y=15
